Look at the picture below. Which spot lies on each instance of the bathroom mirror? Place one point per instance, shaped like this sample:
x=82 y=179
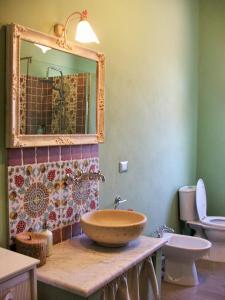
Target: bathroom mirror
x=55 y=91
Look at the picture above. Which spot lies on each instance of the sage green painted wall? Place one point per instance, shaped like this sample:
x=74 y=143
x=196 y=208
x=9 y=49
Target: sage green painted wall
x=211 y=128
x=151 y=49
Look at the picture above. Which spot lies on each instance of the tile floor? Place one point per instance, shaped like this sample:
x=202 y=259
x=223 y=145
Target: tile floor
x=211 y=287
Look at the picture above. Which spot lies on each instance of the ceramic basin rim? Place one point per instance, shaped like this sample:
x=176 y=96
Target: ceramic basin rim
x=188 y=248
x=204 y=246
x=141 y=222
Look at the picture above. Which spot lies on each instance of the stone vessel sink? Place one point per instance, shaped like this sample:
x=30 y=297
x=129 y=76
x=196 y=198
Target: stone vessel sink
x=113 y=228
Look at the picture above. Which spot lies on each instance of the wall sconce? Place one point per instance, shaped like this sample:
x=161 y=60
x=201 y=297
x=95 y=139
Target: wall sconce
x=84 y=32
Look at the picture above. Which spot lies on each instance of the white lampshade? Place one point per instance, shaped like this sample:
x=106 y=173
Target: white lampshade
x=43 y=48
x=85 y=34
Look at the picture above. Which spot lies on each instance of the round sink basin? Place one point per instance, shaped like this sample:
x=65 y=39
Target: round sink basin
x=113 y=228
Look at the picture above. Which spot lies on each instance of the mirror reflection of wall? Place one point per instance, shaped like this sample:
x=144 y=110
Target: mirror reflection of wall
x=57 y=92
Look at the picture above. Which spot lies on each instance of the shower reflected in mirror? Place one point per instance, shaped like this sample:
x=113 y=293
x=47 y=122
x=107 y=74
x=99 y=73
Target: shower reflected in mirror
x=57 y=92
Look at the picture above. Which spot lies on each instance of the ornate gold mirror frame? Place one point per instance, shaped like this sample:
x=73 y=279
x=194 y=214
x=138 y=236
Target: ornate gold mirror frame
x=13 y=137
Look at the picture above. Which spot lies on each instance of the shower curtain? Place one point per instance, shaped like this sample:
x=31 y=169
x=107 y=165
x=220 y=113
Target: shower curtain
x=70 y=83
x=41 y=105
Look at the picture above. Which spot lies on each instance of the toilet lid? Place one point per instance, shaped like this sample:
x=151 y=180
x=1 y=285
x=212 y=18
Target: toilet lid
x=201 y=201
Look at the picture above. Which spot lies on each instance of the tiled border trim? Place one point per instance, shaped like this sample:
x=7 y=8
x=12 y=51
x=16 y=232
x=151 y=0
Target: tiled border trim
x=24 y=156
x=66 y=232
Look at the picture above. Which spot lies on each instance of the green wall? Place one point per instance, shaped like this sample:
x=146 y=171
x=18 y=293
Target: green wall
x=211 y=129
x=151 y=49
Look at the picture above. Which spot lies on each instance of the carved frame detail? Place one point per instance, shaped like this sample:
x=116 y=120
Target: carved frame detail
x=14 y=139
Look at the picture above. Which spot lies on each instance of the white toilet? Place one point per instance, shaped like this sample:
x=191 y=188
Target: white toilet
x=181 y=252
x=193 y=210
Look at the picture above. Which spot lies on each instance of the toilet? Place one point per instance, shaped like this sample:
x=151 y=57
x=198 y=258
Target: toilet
x=181 y=252
x=193 y=210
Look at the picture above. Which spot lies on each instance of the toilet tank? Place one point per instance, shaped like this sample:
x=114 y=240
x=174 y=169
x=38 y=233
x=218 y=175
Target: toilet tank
x=187 y=203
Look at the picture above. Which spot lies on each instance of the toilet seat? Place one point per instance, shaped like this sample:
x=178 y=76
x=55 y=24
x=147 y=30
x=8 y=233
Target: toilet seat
x=214 y=221
x=201 y=206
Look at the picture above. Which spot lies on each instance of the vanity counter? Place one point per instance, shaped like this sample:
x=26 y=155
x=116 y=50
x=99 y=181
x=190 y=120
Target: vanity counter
x=13 y=263
x=82 y=267
x=17 y=276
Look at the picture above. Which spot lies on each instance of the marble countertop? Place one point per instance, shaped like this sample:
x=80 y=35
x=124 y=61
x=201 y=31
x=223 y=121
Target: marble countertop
x=12 y=264
x=82 y=267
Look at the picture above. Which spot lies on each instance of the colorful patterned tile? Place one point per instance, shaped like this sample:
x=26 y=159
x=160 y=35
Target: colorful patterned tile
x=81 y=192
x=93 y=199
x=49 y=176
x=39 y=192
x=85 y=165
x=20 y=179
x=85 y=193
x=67 y=203
x=94 y=164
x=80 y=197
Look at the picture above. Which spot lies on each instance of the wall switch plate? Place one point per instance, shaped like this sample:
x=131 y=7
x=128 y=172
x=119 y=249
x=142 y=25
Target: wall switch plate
x=123 y=166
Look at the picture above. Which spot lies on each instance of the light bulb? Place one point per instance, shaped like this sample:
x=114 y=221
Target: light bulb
x=85 y=34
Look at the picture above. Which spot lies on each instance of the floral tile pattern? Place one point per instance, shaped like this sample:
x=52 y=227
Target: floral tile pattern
x=20 y=179
x=67 y=203
x=39 y=192
x=48 y=175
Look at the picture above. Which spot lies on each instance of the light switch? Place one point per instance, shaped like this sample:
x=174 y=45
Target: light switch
x=123 y=166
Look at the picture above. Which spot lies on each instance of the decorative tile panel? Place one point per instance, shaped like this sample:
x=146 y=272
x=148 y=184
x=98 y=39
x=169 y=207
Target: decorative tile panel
x=49 y=176
x=20 y=179
x=67 y=203
x=39 y=192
